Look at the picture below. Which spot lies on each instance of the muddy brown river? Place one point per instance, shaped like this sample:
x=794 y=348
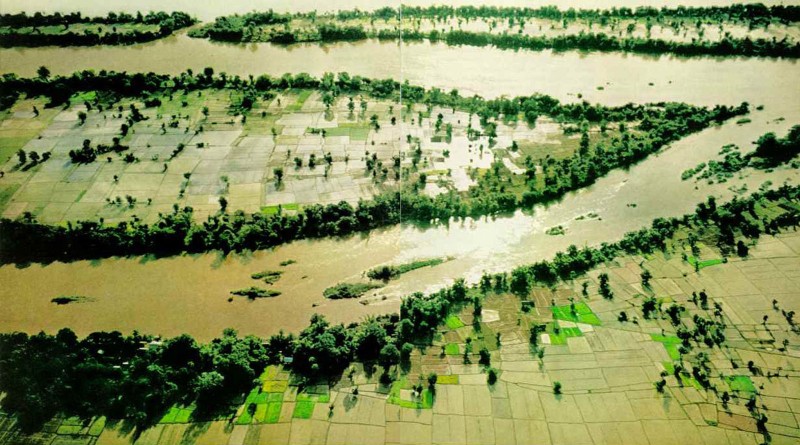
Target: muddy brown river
x=190 y=293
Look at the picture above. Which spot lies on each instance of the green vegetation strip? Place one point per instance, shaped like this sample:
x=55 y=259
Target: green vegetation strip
x=268 y=276
x=453 y=322
x=392 y=272
x=423 y=401
x=740 y=383
x=303 y=409
x=349 y=290
x=670 y=344
x=695 y=262
x=256 y=292
x=452 y=349
x=559 y=335
x=578 y=313
x=178 y=414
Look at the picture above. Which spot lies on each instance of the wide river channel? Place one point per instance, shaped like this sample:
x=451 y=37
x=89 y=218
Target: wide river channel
x=190 y=293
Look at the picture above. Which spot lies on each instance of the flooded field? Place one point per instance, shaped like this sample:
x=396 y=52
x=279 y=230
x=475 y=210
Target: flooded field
x=685 y=333
x=189 y=294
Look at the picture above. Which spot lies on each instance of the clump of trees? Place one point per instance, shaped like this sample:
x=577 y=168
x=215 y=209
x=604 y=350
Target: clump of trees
x=277 y=28
x=772 y=150
x=11 y=33
x=176 y=232
x=133 y=377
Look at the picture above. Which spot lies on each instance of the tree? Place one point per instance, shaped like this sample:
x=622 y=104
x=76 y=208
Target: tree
x=557 y=388
x=605 y=289
x=370 y=340
x=223 y=204
x=646 y=276
x=389 y=356
x=43 y=72
x=485 y=357
x=648 y=307
x=327 y=99
x=82 y=117
x=741 y=249
x=405 y=352
x=278 y=174
x=491 y=376
x=209 y=387
x=432 y=379
x=22 y=156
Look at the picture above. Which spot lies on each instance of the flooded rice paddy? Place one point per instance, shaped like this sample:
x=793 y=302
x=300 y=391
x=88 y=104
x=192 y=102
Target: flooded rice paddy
x=190 y=293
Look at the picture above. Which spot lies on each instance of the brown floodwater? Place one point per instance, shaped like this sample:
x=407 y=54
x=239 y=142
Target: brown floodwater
x=486 y=71
x=190 y=293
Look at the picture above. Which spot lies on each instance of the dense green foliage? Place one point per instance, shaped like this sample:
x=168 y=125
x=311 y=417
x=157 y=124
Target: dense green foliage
x=770 y=151
x=391 y=272
x=728 y=46
x=234 y=28
x=349 y=290
x=109 y=374
x=734 y=12
x=253 y=292
x=242 y=29
x=11 y=35
x=122 y=377
x=655 y=126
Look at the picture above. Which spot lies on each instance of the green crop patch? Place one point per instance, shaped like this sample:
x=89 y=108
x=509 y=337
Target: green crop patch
x=579 y=313
x=452 y=349
x=69 y=429
x=740 y=383
x=670 y=344
x=245 y=419
x=453 y=322
x=447 y=380
x=273 y=412
x=97 y=427
x=178 y=414
x=559 y=335
x=696 y=262
x=275 y=386
x=423 y=401
x=270 y=373
x=302 y=96
x=303 y=409
x=260 y=415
